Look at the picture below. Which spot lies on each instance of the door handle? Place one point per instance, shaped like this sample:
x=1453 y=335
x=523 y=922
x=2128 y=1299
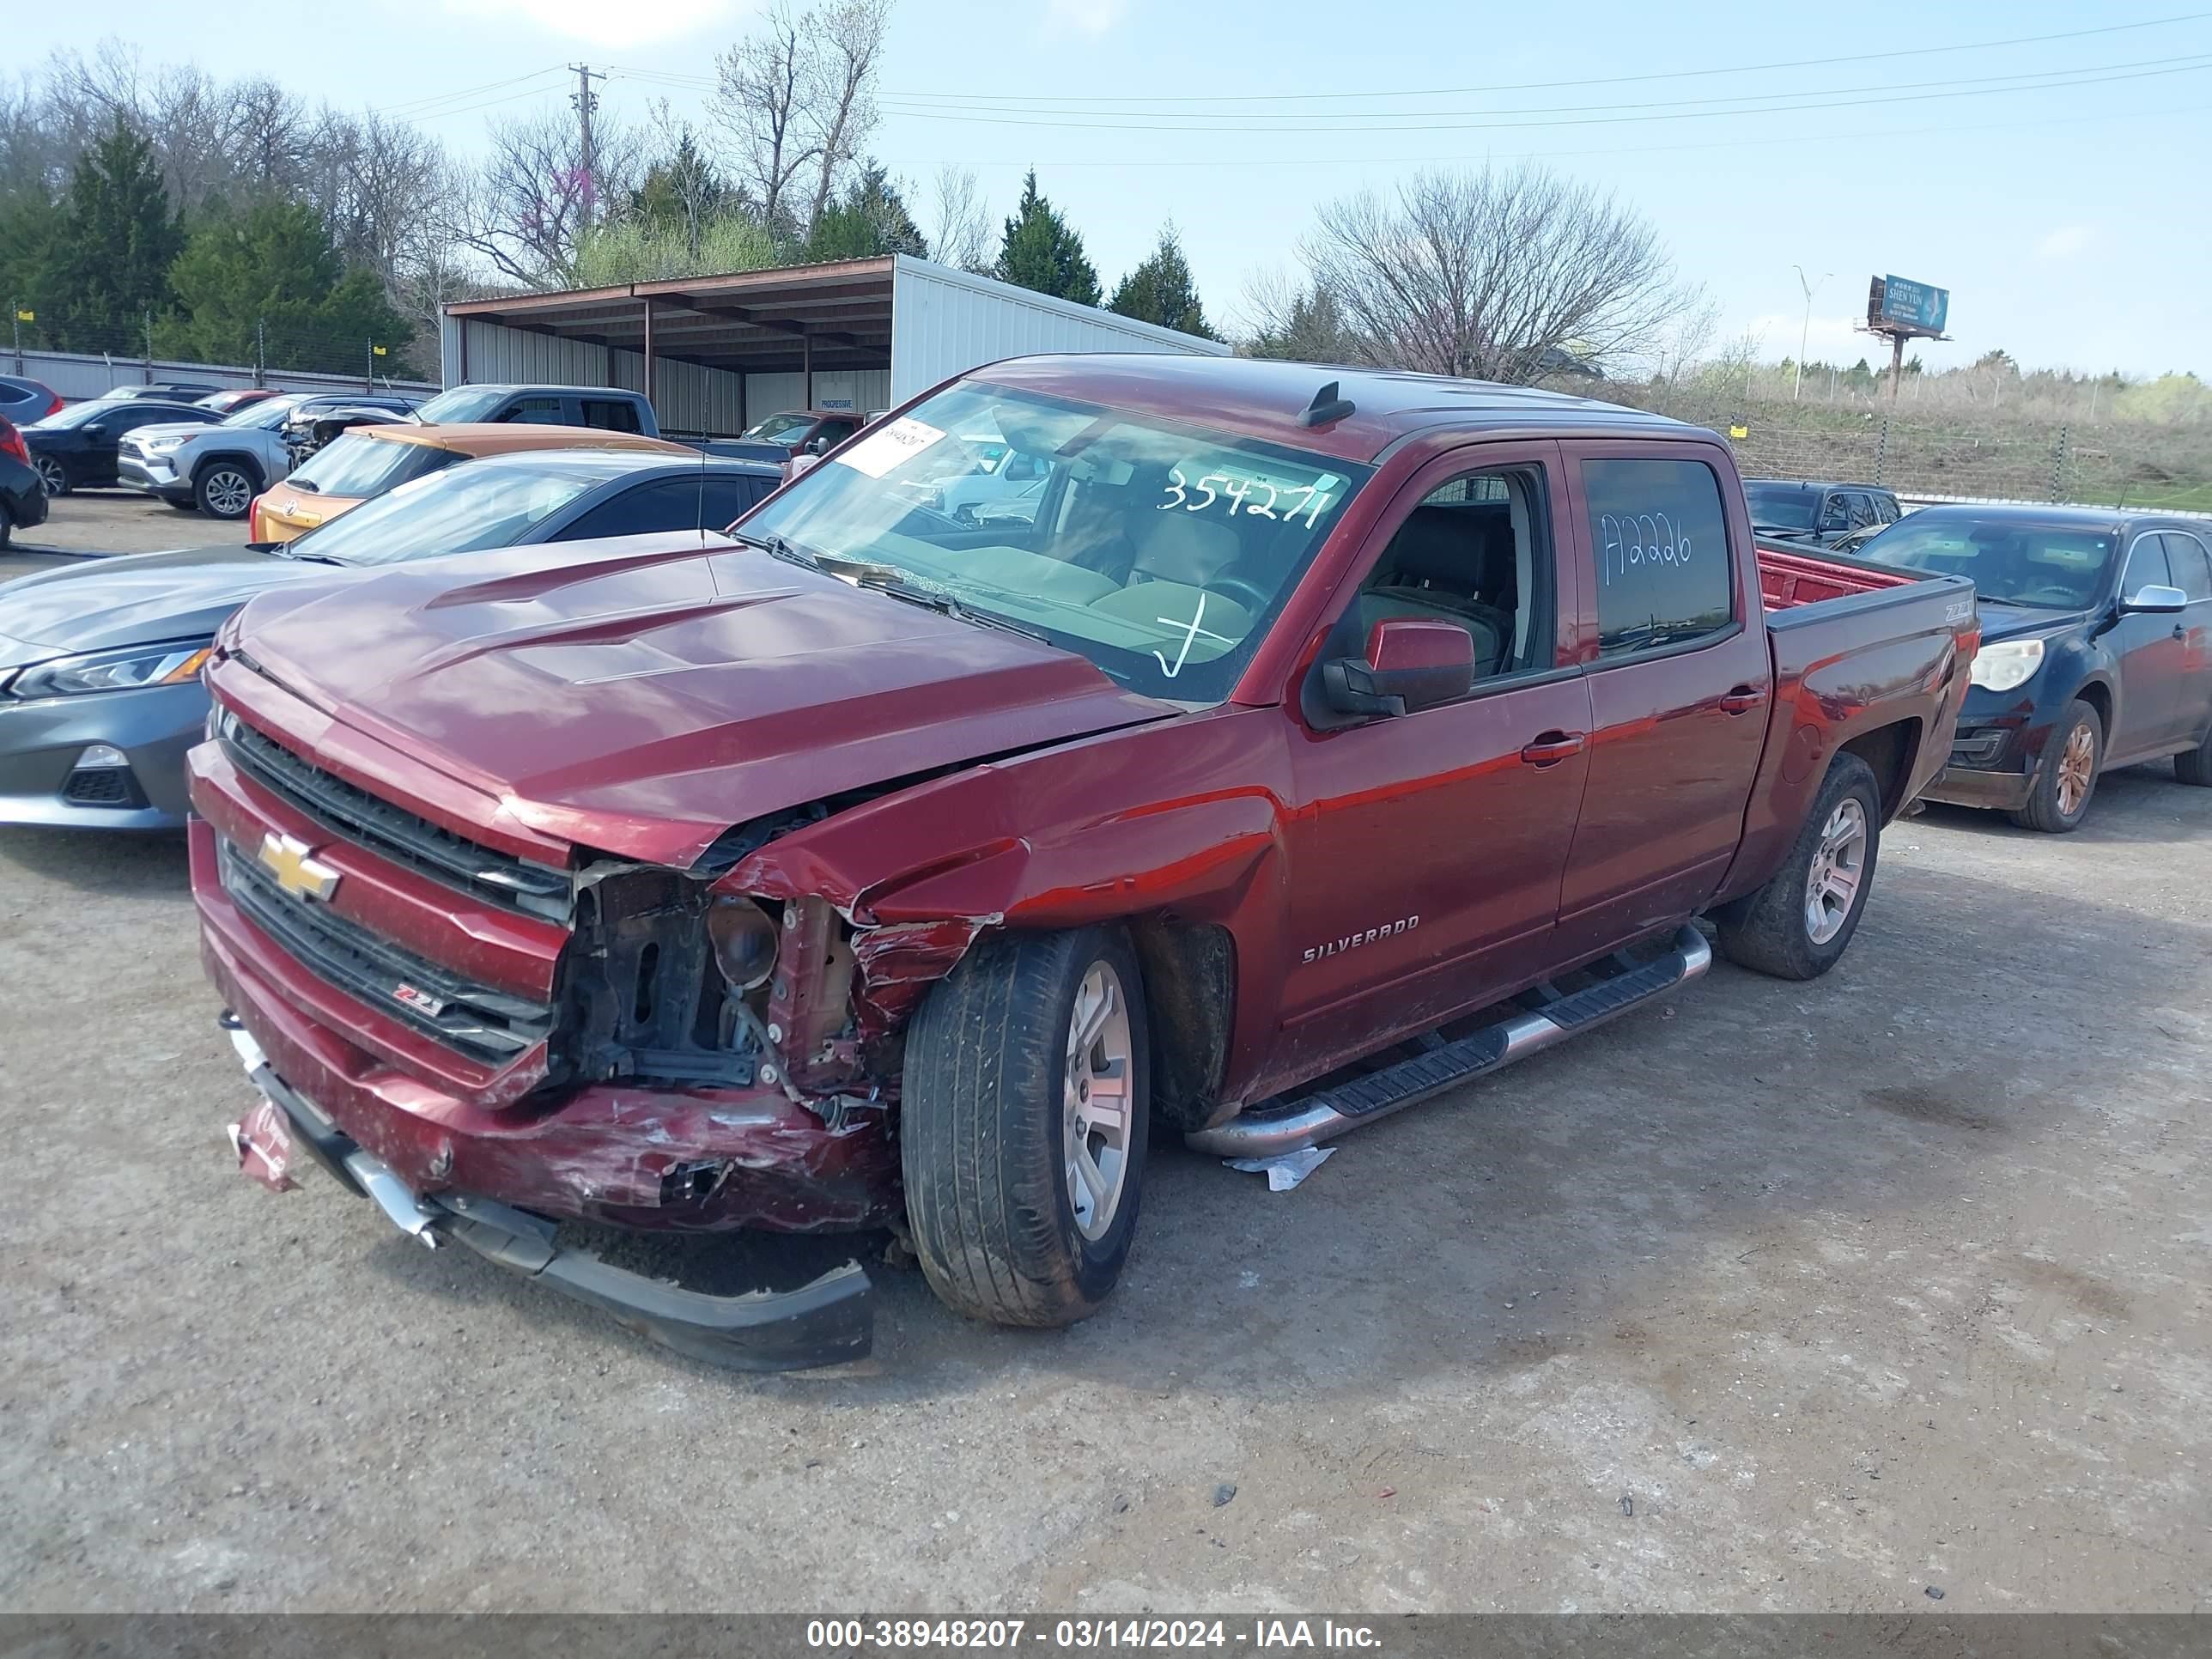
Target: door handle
x=1743 y=700
x=1552 y=747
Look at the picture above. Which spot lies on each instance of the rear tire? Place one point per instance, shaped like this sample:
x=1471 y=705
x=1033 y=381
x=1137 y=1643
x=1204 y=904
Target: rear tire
x=2195 y=765
x=222 y=489
x=2066 y=779
x=1801 y=923
x=1009 y=1061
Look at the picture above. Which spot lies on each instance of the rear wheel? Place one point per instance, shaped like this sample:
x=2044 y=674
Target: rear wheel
x=1800 y=923
x=222 y=490
x=2195 y=765
x=2058 y=799
x=1022 y=1122
x=53 y=478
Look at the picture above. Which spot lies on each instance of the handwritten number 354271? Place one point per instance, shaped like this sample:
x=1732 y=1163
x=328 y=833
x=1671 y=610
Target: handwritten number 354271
x=1239 y=493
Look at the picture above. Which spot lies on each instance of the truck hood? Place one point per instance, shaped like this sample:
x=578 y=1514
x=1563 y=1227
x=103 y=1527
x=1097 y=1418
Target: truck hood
x=642 y=699
x=91 y=604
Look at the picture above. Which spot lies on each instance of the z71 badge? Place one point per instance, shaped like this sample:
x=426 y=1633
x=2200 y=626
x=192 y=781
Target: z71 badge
x=1352 y=941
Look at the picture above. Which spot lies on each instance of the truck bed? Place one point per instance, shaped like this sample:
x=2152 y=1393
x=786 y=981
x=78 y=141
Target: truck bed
x=1794 y=577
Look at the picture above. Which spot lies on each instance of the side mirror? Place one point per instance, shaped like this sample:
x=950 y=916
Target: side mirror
x=2156 y=600
x=818 y=447
x=1411 y=664
x=96 y=430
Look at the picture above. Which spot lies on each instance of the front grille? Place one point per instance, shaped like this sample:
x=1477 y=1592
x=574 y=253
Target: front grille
x=394 y=832
x=485 y=1024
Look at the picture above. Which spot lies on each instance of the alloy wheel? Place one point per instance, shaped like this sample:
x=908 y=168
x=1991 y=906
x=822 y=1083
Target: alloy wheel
x=1096 y=1101
x=227 y=492
x=51 y=479
x=2077 y=769
x=1838 y=868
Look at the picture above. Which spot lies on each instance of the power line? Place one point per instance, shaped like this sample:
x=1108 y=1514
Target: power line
x=1548 y=86
x=1789 y=108
x=421 y=108
x=1420 y=119
x=1859 y=137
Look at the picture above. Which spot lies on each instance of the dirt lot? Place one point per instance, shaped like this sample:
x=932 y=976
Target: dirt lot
x=100 y=521
x=1895 y=1280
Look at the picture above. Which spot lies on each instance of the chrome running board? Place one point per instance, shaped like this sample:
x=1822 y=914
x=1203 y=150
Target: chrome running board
x=1265 y=1133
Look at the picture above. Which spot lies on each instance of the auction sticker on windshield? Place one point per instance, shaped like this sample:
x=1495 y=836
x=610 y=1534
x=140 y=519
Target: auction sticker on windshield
x=891 y=446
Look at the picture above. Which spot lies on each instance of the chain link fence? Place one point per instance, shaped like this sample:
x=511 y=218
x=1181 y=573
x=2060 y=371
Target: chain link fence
x=80 y=361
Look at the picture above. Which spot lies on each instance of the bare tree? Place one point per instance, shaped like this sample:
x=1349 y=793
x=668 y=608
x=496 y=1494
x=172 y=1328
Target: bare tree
x=1501 y=274
x=763 y=86
x=526 y=208
x=960 y=231
x=846 y=51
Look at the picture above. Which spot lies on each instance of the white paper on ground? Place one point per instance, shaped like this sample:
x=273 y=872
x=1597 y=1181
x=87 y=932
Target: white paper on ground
x=1285 y=1169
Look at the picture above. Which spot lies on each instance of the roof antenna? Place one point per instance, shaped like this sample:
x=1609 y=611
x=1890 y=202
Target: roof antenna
x=1326 y=407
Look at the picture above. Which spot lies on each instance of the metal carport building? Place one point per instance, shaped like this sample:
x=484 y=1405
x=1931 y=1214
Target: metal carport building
x=714 y=354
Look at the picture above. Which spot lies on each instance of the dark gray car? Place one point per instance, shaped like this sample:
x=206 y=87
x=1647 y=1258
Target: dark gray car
x=100 y=689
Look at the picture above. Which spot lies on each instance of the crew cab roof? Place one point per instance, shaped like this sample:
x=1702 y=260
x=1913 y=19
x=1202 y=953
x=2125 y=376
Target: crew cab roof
x=1264 y=399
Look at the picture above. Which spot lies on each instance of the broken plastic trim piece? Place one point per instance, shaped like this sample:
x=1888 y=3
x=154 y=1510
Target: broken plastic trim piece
x=827 y=1321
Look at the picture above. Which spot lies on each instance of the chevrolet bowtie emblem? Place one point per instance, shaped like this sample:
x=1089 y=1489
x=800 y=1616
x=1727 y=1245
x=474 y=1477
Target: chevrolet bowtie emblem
x=296 y=871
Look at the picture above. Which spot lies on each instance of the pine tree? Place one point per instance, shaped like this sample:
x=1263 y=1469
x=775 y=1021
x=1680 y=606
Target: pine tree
x=871 y=219
x=108 y=266
x=1160 y=290
x=1041 y=252
x=273 y=266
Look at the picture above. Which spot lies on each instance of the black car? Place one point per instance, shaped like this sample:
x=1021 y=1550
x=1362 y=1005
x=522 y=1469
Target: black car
x=100 y=661
x=2096 y=649
x=1819 y=514
x=75 y=449
x=22 y=497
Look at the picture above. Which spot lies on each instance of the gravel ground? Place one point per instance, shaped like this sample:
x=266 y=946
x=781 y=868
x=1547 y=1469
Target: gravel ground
x=1782 y=1297
x=91 y=523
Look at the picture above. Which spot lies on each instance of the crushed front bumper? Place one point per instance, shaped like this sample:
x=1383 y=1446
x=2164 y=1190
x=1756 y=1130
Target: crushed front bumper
x=1964 y=785
x=824 y=1323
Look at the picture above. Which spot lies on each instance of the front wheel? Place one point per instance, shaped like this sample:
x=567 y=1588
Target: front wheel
x=2058 y=799
x=2195 y=765
x=1023 y=1120
x=222 y=491
x=53 y=478
x=1798 y=925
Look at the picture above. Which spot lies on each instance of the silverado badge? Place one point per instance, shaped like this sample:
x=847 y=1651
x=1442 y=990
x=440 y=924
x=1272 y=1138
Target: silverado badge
x=296 y=871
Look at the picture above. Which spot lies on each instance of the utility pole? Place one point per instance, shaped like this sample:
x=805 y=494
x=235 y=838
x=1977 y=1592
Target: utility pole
x=585 y=101
x=1804 y=333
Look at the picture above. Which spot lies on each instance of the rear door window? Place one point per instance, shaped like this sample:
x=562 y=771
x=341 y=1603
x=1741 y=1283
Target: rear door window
x=1660 y=536
x=610 y=414
x=668 y=504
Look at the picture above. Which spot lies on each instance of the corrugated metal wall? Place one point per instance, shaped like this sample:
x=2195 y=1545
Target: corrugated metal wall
x=685 y=397
x=944 y=322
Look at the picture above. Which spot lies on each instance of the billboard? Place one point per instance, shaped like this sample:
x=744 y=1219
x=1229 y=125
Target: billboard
x=1896 y=305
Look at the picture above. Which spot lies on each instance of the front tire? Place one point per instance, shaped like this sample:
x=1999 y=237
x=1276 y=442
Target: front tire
x=1023 y=1125
x=222 y=490
x=2195 y=765
x=1798 y=926
x=53 y=476
x=2058 y=799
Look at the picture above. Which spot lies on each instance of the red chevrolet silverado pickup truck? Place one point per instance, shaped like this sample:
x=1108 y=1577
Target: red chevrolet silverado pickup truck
x=1311 y=743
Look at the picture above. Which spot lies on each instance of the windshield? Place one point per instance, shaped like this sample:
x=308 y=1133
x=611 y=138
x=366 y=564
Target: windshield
x=358 y=464
x=463 y=402
x=779 y=428
x=1782 y=506
x=267 y=413
x=1158 y=551
x=2049 y=567
x=456 y=512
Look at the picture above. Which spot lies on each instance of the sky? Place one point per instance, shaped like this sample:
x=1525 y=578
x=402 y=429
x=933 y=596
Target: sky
x=2056 y=186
